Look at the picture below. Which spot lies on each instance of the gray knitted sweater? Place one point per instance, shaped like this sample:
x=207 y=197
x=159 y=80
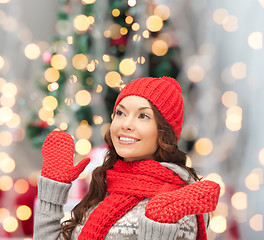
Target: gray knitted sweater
x=134 y=225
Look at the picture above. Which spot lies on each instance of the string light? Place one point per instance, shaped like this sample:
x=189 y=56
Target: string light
x=83 y=97
x=255 y=40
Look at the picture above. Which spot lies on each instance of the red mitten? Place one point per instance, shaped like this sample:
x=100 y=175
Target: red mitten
x=58 y=152
x=197 y=198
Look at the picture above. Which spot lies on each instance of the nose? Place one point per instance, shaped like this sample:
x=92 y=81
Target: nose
x=128 y=123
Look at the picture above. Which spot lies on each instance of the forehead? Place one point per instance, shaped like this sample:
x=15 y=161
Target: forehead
x=135 y=101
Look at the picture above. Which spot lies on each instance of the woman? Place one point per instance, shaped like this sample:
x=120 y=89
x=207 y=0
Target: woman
x=143 y=190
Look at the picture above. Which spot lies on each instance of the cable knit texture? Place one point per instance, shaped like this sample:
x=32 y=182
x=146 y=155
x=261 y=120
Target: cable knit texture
x=58 y=152
x=130 y=182
x=165 y=93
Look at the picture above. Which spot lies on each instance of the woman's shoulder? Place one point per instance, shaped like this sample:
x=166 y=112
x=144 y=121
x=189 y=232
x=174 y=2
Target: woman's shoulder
x=180 y=171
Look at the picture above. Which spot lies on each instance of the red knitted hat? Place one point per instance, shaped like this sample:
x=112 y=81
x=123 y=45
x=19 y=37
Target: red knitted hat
x=164 y=93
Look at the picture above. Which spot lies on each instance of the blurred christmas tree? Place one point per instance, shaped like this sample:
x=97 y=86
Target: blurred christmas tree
x=100 y=46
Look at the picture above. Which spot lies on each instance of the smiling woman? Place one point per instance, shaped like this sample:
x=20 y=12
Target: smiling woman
x=134 y=130
x=143 y=190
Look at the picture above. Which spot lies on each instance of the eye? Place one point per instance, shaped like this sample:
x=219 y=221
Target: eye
x=119 y=113
x=144 y=116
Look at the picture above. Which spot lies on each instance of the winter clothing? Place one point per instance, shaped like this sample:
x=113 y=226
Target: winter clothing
x=165 y=93
x=58 y=151
x=130 y=182
x=134 y=225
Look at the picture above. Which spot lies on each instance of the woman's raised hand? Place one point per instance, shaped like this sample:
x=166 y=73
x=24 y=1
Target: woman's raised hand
x=58 y=152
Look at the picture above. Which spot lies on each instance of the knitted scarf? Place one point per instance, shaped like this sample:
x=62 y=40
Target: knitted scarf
x=129 y=183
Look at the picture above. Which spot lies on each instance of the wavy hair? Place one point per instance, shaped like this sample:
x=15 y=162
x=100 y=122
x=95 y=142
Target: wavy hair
x=167 y=152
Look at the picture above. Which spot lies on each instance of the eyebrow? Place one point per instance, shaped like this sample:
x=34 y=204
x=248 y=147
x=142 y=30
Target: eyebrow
x=142 y=108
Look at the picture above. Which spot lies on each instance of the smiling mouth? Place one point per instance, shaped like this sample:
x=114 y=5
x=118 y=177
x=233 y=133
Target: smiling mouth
x=127 y=139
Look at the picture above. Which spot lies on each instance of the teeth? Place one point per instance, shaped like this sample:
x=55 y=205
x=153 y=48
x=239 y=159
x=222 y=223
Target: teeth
x=128 y=139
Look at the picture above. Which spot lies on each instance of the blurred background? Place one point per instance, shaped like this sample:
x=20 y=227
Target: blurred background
x=62 y=64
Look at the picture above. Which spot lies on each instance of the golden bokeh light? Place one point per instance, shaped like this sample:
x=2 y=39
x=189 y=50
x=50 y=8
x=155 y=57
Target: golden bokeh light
x=255 y=40
x=145 y=34
x=4 y=213
x=91 y=19
x=7 y=101
x=218 y=224
x=83 y=97
x=10 y=224
x=99 y=88
x=256 y=222
x=154 y=23
x=162 y=11
x=32 y=51
x=195 y=73
x=135 y=26
x=51 y=74
x=115 y=12
x=21 y=186
x=131 y=3
x=9 y=89
x=229 y=98
x=106 y=58
x=97 y=119
x=45 y=114
x=6 y=183
x=83 y=146
x=123 y=30
x=14 y=121
x=63 y=126
x=129 y=19
x=50 y=103
x=159 y=47
x=7 y=165
x=239 y=70
x=141 y=60
x=234 y=118
x=113 y=79
x=127 y=66
x=230 y=23
x=2 y=82
x=6 y=114
x=53 y=86
x=136 y=38
x=23 y=212
x=261 y=156
x=58 y=61
x=84 y=130
x=91 y=66
x=188 y=162
x=219 y=15
x=2 y=62
x=70 y=40
x=6 y=138
x=261 y=2
x=203 y=146
x=252 y=181
x=79 y=61
x=239 y=201
x=81 y=23
x=88 y=1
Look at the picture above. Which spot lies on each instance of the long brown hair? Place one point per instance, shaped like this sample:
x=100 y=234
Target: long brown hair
x=167 y=152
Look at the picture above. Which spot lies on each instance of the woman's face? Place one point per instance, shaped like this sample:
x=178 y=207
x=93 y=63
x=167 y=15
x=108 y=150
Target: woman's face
x=133 y=130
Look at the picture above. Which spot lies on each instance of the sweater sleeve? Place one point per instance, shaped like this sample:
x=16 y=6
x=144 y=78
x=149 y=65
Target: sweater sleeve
x=184 y=229
x=52 y=196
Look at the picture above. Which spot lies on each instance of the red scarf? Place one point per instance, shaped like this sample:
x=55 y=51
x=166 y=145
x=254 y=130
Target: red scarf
x=129 y=183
